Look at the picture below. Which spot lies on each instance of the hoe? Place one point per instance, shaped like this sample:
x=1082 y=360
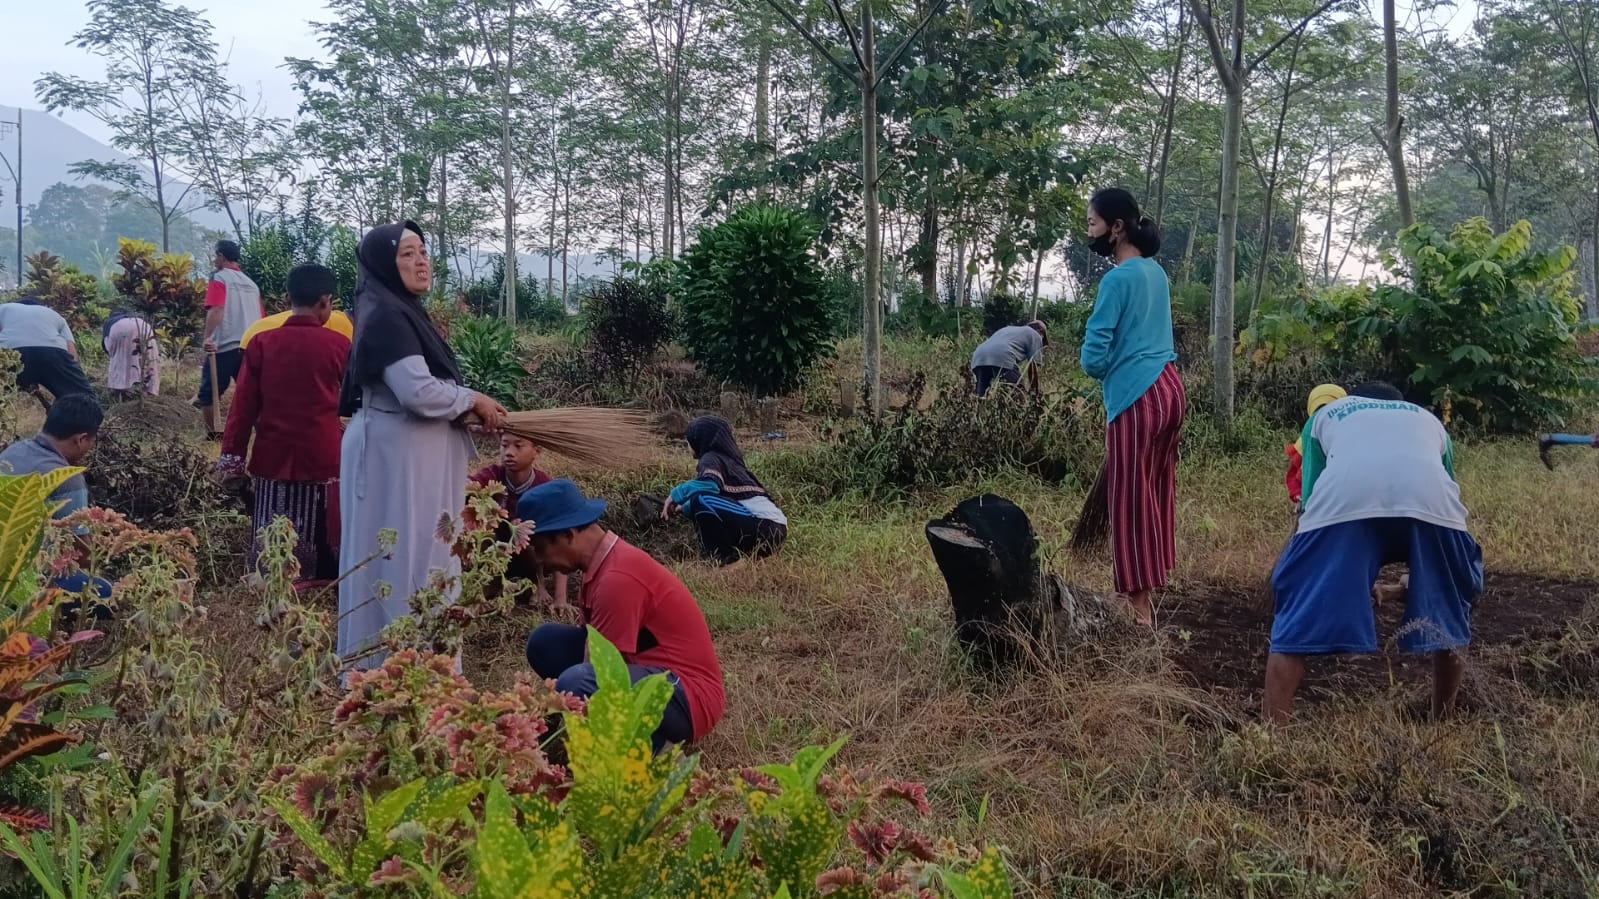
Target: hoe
x=1549 y=440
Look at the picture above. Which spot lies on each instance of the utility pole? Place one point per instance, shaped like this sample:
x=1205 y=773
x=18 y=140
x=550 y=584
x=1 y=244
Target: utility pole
x=16 y=176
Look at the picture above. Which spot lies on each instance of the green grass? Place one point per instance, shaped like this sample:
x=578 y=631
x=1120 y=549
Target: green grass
x=1113 y=774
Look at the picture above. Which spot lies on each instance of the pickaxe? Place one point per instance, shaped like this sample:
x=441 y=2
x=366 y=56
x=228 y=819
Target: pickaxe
x=1548 y=440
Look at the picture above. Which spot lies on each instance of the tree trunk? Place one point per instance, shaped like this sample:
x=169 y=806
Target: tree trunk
x=508 y=289
x=1169 y=113
x=1221 y=313
x=1392 y=139
x=928 y=263
x=1593 y=264
x=1038 y=271
x=763 y=101
x=871 y=307
x=442 y=249
x=1271 y=183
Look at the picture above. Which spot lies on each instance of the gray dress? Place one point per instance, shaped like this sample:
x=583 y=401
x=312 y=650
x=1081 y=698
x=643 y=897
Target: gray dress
x=403 y=465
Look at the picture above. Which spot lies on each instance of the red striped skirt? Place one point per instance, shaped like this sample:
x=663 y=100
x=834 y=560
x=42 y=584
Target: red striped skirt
x=1141 y=477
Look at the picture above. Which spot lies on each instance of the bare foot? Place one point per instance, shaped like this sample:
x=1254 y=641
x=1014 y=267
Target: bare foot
x=1141 y=607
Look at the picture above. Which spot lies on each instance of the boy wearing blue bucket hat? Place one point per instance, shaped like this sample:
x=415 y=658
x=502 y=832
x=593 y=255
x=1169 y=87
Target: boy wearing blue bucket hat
x=633 y=601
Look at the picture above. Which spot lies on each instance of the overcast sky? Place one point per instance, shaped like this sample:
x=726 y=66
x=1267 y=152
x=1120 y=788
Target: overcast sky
x=254 y=36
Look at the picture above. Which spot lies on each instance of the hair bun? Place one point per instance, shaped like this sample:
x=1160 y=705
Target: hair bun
x=1145 y=221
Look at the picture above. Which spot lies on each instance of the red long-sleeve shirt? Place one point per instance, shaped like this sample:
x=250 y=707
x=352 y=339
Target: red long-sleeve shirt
x=288 y=397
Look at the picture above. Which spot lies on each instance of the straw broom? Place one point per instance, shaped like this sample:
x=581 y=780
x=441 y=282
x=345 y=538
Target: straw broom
x=1093 y=522
x=587 y=434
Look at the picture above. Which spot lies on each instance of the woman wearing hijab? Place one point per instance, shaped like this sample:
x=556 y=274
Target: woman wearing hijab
x=1128 y=349
x=405 y=452
x=733 y=514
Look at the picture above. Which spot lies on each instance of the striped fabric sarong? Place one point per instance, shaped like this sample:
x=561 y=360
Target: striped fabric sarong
x=306 y=506
x=1141 y=479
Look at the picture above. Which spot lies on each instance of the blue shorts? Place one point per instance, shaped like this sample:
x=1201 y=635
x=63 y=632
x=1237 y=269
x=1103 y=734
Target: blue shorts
x=1322 y=585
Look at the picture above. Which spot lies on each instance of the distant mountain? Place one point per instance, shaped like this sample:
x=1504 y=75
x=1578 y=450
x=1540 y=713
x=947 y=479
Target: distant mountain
x=49 y=148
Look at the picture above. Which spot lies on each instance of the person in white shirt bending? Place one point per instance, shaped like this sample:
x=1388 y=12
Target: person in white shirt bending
x=1379 y=488
x=44 y=341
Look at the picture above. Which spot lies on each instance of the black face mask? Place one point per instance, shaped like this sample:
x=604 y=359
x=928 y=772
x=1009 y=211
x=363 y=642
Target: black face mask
x=1102 y=245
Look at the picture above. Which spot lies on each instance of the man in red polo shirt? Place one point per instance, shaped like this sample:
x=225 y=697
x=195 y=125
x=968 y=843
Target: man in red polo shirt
x=288 y=397
x=633 y=601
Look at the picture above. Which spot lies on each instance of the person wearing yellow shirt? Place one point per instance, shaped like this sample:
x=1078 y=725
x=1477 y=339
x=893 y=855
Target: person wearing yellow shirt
x=337 y=322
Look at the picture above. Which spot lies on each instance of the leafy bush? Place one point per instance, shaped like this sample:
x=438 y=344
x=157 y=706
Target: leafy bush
x=162 y=286
x=1480 y=326
x=921 y=314
x=1001 y=310
x=390 y=804
x=63 y=288
x=536 y=307
x=751 y=300
x=267 y=258
x=489 y=355
x=958 y=438
x=627 y=323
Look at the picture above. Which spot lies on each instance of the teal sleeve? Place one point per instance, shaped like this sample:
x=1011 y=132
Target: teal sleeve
x=686 y=491
x=1314 y=461
x=1449 y=457
x=1108 y=303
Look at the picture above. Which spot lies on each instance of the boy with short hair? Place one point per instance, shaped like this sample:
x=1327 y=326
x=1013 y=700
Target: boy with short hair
x=518 y=472
x=1378 y=488
x=288 y=401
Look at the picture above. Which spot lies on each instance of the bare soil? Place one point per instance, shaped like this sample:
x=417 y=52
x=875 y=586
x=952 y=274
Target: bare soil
x=1520 y=629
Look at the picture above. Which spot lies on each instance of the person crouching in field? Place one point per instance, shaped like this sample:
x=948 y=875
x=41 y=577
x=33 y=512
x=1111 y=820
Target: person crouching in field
x=633 y=601
x=288 y=398
x=1378 y=488
x=518 y=472
x=733 y=515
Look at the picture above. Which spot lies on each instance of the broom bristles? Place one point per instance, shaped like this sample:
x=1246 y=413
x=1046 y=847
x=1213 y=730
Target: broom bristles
x=586 y=433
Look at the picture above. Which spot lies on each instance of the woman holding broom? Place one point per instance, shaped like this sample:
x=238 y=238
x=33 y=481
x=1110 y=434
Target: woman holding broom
x=1128 y=349
x=405 y=452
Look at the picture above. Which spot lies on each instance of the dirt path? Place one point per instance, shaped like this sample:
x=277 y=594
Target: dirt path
x=1222 y=632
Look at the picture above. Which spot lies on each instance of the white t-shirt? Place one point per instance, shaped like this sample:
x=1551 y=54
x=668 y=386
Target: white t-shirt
x=1367 y=458
x=25 y=325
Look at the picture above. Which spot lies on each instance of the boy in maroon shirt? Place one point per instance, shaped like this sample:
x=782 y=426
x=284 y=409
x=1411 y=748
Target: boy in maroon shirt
x=633 y=601
x=518 y=472
x=288 y=400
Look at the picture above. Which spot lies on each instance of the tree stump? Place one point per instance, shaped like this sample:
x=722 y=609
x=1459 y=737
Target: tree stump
x=1006 y=608
x=988 y=554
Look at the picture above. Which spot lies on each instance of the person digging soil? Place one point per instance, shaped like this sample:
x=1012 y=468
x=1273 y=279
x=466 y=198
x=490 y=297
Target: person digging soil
x=1378 y=488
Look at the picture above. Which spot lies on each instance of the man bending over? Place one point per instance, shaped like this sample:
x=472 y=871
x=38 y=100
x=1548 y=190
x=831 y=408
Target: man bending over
x=1379 y=488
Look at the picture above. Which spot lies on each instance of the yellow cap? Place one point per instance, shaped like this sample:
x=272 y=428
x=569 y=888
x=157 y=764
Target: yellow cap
x=1322 y=395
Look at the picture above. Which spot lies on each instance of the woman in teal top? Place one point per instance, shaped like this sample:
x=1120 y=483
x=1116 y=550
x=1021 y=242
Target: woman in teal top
x=1128 y=349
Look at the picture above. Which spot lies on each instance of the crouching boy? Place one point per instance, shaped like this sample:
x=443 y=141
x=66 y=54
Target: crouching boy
x=1378 y=488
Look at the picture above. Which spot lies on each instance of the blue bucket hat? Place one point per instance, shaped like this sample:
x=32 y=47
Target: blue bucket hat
x=558 y=506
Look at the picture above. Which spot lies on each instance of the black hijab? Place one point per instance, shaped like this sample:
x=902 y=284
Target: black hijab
x=711 y=439
x=390 y=323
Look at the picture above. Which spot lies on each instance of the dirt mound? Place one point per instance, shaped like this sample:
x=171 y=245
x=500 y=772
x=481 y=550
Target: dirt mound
x=153 y=415
x=1520 y=630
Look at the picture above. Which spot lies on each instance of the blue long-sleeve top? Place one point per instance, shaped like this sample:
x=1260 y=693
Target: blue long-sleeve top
x=1129 y=339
